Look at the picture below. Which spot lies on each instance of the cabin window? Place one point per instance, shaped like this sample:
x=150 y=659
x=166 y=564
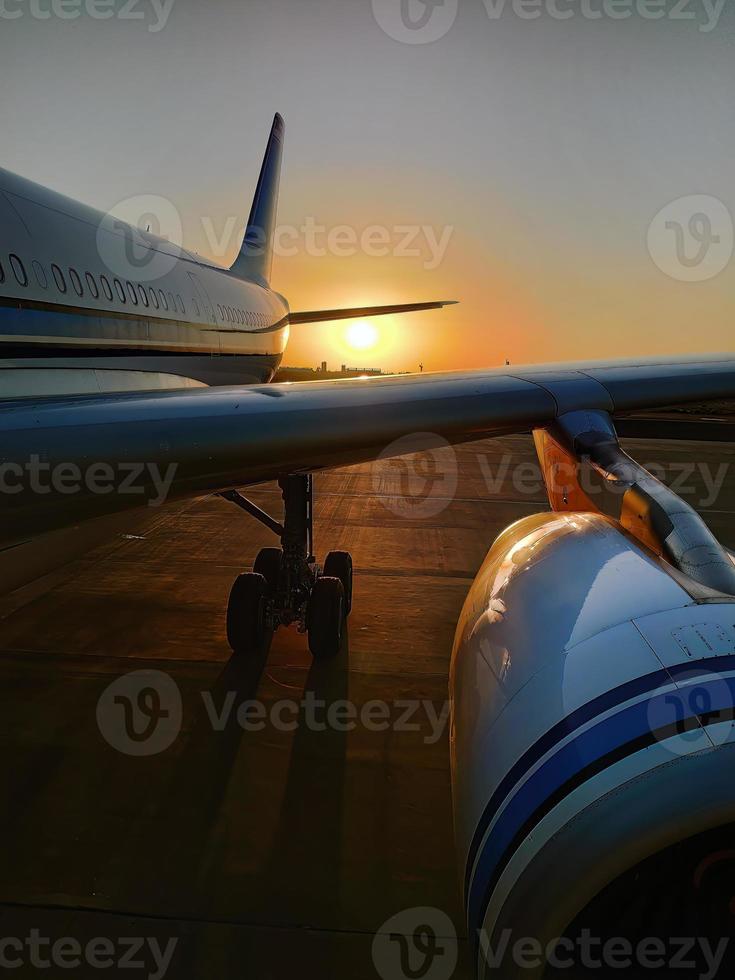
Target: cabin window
x=196 y=307
x=131 y=292
x=154 y=298
x=172 y=302
x=92 y=285
x=119 y=290
x=76 y=282
x=106 y=287
x=164 y=301
x=19 y=270
x=40 y=275
x=2 y=273
x=59 y=278
x=143 y=295
x=180 y=303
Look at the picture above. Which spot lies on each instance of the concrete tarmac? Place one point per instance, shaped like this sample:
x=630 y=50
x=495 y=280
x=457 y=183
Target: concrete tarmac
x=275 y=842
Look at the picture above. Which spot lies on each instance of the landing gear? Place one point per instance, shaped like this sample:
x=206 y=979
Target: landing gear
x=246 y=614
x=268 y=564
x=287 y=587
x=326 y=618
x=339 y=565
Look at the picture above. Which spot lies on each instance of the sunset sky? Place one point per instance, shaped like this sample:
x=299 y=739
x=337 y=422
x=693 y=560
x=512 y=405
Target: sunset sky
x=537 y=153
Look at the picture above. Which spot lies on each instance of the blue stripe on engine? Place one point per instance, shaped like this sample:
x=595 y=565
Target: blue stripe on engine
x=603 y=739
x=574 y=721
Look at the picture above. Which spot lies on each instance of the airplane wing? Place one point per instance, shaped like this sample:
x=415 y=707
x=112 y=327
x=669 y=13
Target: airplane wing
x=214 y=439
x=321 y=316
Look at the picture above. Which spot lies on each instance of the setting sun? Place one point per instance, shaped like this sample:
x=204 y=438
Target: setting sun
x=362 y=335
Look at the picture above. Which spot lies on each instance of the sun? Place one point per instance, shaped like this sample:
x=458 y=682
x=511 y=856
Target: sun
x=362 y=335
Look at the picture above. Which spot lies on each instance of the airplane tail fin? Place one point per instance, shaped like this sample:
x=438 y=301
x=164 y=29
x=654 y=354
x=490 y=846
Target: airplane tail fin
x=256 y=253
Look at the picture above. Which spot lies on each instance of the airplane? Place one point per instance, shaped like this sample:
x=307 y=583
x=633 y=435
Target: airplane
x=593 y=672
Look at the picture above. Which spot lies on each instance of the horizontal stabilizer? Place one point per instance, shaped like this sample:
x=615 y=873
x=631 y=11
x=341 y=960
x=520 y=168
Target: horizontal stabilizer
x=321 y=316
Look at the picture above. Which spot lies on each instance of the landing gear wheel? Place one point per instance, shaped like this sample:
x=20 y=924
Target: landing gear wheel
x=326 y=618
x=268 y=564
x=246 y=621
x=339 y=565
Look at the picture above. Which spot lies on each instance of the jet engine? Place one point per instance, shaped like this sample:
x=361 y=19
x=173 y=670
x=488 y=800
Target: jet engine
x=593 y=698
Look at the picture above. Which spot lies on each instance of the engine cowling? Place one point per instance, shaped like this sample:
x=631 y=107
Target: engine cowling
x=593 y=693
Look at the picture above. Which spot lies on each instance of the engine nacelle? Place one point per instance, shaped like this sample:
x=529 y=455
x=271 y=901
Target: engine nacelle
x=593 y=694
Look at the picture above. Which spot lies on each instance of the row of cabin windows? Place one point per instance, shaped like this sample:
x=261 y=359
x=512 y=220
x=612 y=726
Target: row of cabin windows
x=147 y=296
x=235 y=315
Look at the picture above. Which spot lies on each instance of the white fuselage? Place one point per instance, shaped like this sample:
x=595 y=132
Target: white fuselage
x=89 y=303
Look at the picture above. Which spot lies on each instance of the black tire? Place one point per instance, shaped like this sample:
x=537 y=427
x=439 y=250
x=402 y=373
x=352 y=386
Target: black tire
x=326 y=618
x=339 y=565
x=246 y=622
x=268 y=564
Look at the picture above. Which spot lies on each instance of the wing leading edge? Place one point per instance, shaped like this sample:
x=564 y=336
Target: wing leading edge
x=213 y=439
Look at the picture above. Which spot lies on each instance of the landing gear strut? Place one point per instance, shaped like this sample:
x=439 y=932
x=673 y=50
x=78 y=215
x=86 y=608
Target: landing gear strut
x=286 y=586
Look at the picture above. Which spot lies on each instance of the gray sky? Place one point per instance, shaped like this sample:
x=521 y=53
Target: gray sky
x=538 y=151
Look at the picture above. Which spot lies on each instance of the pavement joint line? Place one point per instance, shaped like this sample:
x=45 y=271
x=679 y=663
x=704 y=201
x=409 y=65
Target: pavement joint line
x=188 y=919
